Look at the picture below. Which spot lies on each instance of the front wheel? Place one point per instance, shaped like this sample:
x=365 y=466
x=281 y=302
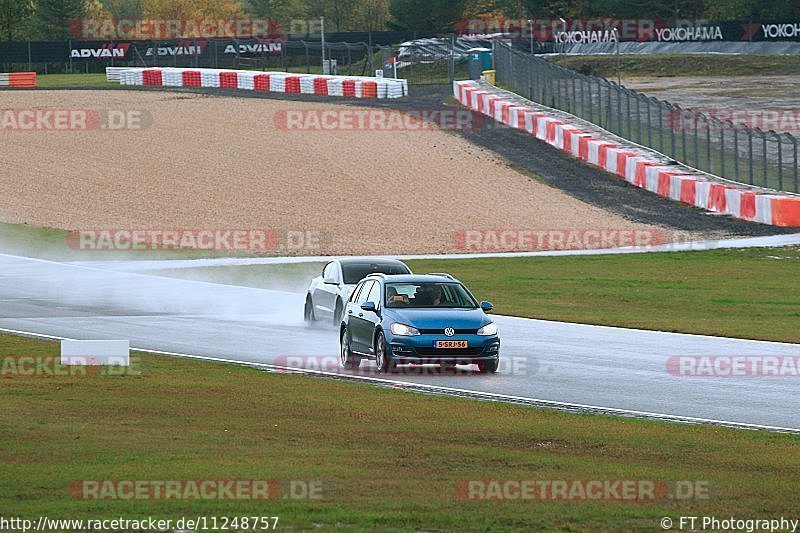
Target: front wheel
x=382 y=359
x=337 y=314
x=346 y=357
x=488 y=367
x=308 y=312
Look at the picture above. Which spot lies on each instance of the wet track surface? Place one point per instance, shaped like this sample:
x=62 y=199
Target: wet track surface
x=593 y=365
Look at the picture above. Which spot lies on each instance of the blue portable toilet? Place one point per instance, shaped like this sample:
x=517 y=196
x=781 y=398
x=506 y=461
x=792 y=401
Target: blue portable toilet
x=484 y=55
x=479 y=59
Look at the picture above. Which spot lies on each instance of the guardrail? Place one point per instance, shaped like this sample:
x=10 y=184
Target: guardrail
x=281 y=82
x=18 y=79
x=639 y=166
x=720 y=147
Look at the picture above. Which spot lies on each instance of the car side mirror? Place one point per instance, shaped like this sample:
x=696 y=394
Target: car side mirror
x=369 y=306
x=487 y=306
x=329 y=281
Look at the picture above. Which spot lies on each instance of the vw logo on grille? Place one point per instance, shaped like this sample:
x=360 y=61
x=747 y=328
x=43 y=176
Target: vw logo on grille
x=449 y=332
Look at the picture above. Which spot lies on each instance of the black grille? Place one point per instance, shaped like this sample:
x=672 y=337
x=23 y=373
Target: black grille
x=441 y=331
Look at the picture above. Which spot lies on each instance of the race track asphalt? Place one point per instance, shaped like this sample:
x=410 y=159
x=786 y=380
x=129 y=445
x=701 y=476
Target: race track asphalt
x=543 y=360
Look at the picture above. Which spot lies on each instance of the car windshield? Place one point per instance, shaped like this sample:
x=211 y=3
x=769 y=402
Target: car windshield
x=355 y=272
x=429 y=294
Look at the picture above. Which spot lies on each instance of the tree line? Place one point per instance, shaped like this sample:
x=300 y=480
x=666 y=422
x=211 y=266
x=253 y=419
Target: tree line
x=50 y=19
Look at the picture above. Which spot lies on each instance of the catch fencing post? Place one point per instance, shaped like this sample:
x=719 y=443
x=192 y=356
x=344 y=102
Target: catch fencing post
x=722 y=149
x=708 y=144
x=574 y=96
x=696 y=139
x=638 y=119
x=628 y=106
x=683 y=141
x=780 y=159
x=764 y=156
x=736 y=152
x=660 y=126
x=750 y=156
x=796 y=162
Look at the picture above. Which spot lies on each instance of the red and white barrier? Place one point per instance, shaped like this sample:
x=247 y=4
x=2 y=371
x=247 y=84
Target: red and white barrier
x=281 y=82
x=172 y=77
x=640 y=167
x=18 y=79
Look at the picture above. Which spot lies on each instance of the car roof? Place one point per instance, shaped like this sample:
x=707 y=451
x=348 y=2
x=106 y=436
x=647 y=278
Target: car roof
x=370 y=261
x=418 y=278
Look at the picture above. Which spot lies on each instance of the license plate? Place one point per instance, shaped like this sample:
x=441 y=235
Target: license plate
x=450 y=344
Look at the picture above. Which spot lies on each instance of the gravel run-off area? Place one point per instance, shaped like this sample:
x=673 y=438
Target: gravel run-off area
x=210 y=162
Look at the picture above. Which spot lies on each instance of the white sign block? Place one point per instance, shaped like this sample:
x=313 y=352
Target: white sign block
x=116 y=353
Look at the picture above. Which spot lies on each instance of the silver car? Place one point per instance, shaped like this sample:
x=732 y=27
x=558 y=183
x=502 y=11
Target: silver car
x=329 y=291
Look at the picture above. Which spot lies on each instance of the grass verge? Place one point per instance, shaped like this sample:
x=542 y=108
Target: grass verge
x=73 y=80
x=62 y=245
x=672 y=65
x=749 y=293
x=387 y=459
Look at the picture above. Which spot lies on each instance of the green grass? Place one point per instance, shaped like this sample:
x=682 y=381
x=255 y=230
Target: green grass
x=388 y=459
x=671 y=65
x=287 y=277
x=53 y=244
x=73 y=80
x=735 y=293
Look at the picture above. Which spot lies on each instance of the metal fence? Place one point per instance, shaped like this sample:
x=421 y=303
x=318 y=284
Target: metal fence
x=720 y=147
x=436 y=60
x=423 y=63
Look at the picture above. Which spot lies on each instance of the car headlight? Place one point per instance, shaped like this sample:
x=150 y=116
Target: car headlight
x=402 y=329
x=488 y=329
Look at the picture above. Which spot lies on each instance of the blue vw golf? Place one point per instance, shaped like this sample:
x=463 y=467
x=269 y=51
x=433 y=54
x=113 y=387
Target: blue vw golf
x=417 y=319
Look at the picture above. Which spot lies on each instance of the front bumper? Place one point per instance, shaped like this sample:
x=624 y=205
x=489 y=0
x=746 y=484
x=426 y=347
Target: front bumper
x=419 y=349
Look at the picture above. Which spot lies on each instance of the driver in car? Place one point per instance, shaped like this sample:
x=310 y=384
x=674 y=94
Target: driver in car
x=430 y=295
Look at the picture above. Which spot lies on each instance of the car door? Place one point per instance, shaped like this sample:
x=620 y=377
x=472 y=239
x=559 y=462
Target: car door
x=370 y=319
x=357 y=323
